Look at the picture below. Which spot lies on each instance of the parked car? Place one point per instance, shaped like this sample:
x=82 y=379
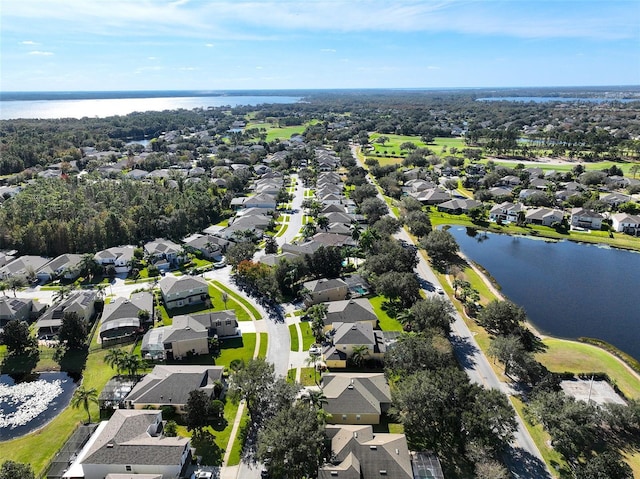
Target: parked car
x=220 y=264
x=314 y=350
x=439 y=291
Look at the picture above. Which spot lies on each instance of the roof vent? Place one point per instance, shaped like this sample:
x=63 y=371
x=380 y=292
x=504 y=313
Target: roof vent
x=110 y=445
x=397 y=451
x=373 y=448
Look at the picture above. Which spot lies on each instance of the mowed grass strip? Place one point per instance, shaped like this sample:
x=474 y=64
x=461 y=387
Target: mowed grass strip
x=237 y=348
x=264 y=343
x=232 y=294
x=293 y=333
x=385 y=322
x=307 y=336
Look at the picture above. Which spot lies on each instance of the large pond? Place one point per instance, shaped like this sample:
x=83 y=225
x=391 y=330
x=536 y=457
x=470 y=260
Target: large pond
x=28 y=405
x=567 y=289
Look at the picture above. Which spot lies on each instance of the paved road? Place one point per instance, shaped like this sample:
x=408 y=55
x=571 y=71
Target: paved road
x=523 y=459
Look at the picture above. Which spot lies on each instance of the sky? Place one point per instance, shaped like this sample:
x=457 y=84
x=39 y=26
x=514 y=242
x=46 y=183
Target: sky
x=95 y=45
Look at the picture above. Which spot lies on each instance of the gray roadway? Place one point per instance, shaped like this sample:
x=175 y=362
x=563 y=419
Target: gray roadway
x=523 y=458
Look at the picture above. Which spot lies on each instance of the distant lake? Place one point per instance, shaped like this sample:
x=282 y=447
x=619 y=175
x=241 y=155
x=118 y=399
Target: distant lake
x=548 y=99
x=567 y=289
x=29 y=405
x=104 y=107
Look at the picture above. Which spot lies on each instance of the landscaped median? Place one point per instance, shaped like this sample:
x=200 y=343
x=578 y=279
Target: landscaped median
x=235 y=296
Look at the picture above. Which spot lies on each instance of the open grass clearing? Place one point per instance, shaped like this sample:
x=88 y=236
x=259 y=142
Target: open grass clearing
x=562 y=355
x=264 y=343
x=308 y=377
x=237 y=348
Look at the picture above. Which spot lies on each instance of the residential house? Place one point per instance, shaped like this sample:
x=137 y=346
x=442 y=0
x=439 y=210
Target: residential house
x=79 y=302
x=332 y=239
x=358 y=453
x=458 y=206
x=506 y=212
x=163 y=253
x=349 y=337
x=357 y=310
x=168 y=385
x=615 y=199
x=23 y=266
x=183 y=291
x=432 y=196
x=261 y=200
x=583 y=218
x=308 y=247
x=121 y=257
x=65 y=266
x=331 y=199
x=274 y=259
x=6 y=257
x=21 y=309
x=132 y=444
x=500 y=192
x=189 y=335
x=356 y=398
x=509 y=181
x=211 y=247
x=544 y=216
x=121 y=317
x=626 y=223
x=324 y=290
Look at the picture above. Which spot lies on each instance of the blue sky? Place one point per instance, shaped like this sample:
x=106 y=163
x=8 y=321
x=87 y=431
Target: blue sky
x=59 y=45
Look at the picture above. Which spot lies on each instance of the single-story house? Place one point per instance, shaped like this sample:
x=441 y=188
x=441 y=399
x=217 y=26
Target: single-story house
x=261 y=200
x=358 y=453
x=183 y=291
x=121 y=317
x=169 y=385
x=324 y=290
x=588 y=219
x=544 y=216
x=132 y=443
x=65 y=265
x=23 y=266
x=356 y=398
x=615 y=199
x=211 y=247
x=458 y=205
x=431 y=196
x=80 y=302
x=21 y=309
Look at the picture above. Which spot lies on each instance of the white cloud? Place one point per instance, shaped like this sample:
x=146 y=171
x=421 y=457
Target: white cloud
x=209 y=45
x=258 y=68
x=328 y=50
x=432 y=67
x=152 y=58
x=29 y=42
x=40 y=53
x=188 y=69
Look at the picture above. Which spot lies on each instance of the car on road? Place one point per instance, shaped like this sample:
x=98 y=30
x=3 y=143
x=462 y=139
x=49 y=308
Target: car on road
x=315 y=350
x=220 y=264
x=202 y=475
x=439 y=291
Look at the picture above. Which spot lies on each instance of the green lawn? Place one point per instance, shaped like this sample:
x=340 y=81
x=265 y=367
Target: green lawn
x=264 y=343
x=563 y=355
x=307 y=336
x=293 y=334
x=232 y=294
x=385 y=322
x=236 y=449
x=276 y=132
x=237 y=348
x=308 y=377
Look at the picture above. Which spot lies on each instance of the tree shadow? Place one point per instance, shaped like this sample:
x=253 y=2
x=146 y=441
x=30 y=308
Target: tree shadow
x=72 y=361
x=521 y=463
x=20 y=366
x=464 y=351
x=206 y=447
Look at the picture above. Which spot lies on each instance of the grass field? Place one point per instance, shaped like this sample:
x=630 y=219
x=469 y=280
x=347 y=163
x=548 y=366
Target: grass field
x=232 y=294
x=563 y=355
x=596 y=165
x=275 y=132
x=237 y=348
x=264 y=344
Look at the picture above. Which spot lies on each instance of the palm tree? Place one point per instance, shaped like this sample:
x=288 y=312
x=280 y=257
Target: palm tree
x=405 y=316
x=308 y=230
x=14 y=282
x=367 y=238
x=359 y=354
x=323 y=222
x=114 y=359
x=88 y=266
x=314 y=398
x=356 y=229
x=3 y=287
x=82 y=397
x=63 y=292
x=100 y=290
x=131 y=363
